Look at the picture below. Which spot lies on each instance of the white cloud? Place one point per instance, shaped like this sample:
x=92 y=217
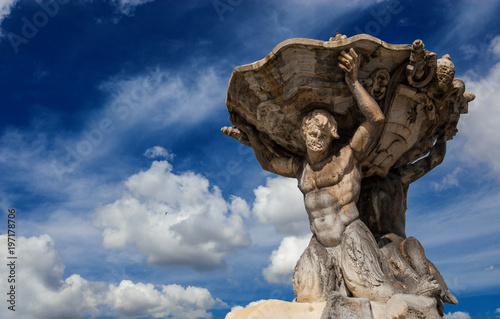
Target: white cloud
x=480 y=127
x=469 y=51
x=299 y=19
x=283 y=260
x=463 y=18
x=454 y=236
x=472 y=216
x=158 y=151
x=40 y=292
x=448 y=181
x=138 y=300
x=127 y=7
x=174 y=219
x=239 y=206
x=253 y=303
x=498 y=310
x=147 y=103
x=495 y=45
x=5 y=8
x=281 y=204
x=457 y=315
x=161 y=98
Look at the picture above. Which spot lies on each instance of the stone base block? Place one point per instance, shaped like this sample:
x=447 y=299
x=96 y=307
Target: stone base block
x=340 y=307
x=410 y=307
x=277 y=309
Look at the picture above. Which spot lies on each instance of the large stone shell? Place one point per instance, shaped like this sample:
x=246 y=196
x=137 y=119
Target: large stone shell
x=299 y=75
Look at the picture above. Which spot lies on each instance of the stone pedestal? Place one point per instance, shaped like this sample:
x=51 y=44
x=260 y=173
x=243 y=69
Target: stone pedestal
x=340 y=307
x=276 y=309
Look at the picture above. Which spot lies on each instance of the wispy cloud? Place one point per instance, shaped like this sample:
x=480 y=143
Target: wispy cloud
x=58 y=163
x=297 y=19
x=164 y=97
x=495 y=46
x=127 y=7
x=448 y=181
x=5 y=8
x=454 y=238
x=458 y=29
x=158 y=151
x=473 y=216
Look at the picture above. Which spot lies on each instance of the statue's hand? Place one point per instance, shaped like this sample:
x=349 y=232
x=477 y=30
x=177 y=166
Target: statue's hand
x=349 y=62
x=231 y=132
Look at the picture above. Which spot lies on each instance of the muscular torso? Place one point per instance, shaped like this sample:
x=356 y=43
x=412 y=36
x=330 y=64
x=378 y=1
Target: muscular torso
x=330 y=194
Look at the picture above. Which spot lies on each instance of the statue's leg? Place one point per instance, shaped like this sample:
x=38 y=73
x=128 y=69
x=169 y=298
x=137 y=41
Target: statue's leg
x=362 y=268
x=316 y=274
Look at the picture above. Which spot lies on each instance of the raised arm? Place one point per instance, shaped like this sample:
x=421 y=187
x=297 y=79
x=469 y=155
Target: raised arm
x=269 y=160
x=368 y=132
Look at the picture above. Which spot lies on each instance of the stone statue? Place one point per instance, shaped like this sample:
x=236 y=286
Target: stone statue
x=354 y=172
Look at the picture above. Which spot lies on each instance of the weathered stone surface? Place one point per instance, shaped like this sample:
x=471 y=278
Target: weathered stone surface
x=355 y=121
x=340 y=307
x=410 y=307
x=277 y=309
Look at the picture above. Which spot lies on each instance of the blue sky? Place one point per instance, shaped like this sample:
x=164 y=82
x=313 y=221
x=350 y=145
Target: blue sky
x=130 y=202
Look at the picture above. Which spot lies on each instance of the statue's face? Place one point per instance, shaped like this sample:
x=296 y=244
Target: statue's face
x=317 y=138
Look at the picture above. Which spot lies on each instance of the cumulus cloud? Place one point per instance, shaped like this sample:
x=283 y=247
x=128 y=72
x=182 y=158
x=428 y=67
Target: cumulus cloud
x=284 y=259
x=239 y=206
x=39 y=281
x=457 y=315
x=174 y=219
x=137 y=300
x=280 y=204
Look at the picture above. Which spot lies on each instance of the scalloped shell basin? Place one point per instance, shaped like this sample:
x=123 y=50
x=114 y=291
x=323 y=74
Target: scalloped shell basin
x=299 y=75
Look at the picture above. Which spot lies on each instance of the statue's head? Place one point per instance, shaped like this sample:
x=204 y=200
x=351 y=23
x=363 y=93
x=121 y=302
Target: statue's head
x=318 y=129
